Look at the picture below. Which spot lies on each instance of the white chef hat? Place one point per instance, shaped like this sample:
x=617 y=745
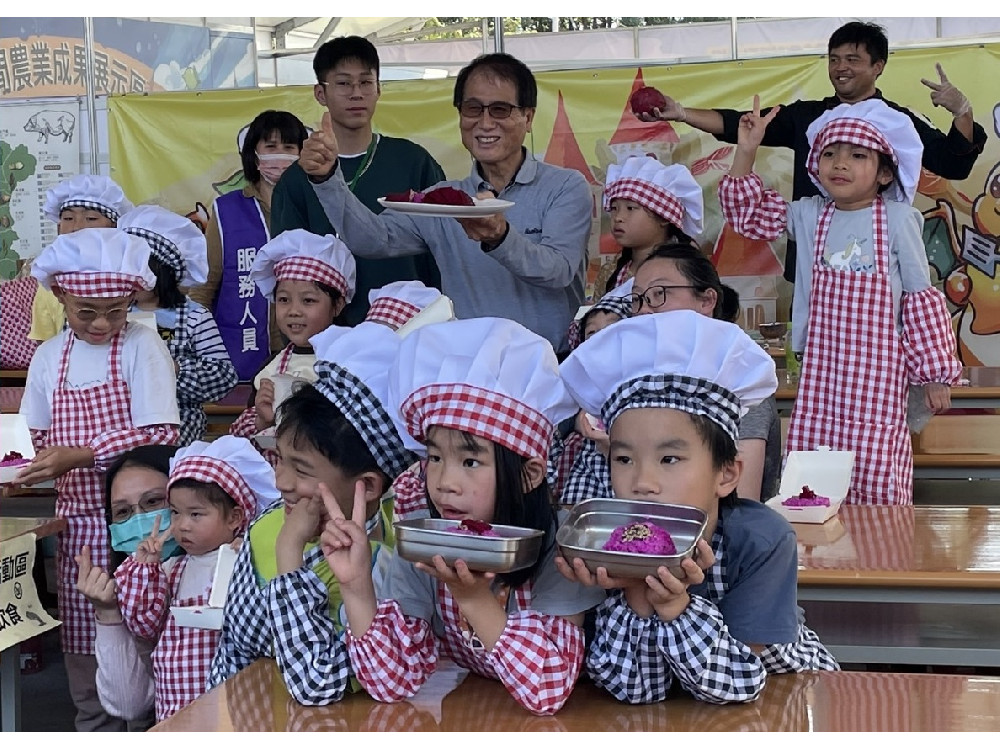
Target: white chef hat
x=394 y=304
x=669 y=191
x=490 y=377
x=352 y=369
x=875 y=125
x=95 y=263
x=678 y=360
x=299 y=254
x=174 y=240
x=233 y=464
x=93 y=191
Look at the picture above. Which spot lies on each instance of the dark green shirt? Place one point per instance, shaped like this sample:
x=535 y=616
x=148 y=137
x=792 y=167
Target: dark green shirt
x=397 y=165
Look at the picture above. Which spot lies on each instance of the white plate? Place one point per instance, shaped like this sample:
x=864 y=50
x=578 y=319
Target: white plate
x=483 y=207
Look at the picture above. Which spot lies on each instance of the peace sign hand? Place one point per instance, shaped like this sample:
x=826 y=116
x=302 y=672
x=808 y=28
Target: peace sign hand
x=944 y=94
x=344 y=541
x=753 y=124
x=149 y=549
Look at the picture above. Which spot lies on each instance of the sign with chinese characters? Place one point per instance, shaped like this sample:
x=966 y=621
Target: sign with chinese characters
x=39 y=147
x=21 y=614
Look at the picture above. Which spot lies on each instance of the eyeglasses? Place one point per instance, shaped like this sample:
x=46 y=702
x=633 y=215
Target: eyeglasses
x=655 y=296
x=474 y=109
x=114 y=316
x=149 y=504
x=367 y=87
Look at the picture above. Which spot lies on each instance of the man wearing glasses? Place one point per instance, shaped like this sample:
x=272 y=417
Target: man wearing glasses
x=526 y=264
x=372 y=164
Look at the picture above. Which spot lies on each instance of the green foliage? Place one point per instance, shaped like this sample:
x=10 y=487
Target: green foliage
x=16 y=165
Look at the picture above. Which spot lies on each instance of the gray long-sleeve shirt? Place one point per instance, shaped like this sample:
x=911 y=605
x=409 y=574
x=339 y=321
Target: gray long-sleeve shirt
x=535 y=276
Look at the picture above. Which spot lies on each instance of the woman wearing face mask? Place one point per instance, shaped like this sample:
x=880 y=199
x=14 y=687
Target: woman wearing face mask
x=241 y=220
x=135 y=497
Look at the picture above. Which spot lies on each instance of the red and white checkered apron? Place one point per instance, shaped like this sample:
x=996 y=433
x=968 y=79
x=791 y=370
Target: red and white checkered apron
x=457 y=641
x=853 y=387
x=78 y=416
x=182 y=656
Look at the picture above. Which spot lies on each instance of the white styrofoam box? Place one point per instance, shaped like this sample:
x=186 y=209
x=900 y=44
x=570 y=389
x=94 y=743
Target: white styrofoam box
x=210 y=617
x=826 y=472
x=143 y=317
x=438 y=311
x=14 y=436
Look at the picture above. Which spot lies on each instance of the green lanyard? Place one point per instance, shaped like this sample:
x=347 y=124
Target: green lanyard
x=369 y=154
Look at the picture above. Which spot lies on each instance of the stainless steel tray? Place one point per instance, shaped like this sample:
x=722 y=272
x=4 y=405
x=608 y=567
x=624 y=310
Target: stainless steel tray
x=590 y=523
x=418 y=540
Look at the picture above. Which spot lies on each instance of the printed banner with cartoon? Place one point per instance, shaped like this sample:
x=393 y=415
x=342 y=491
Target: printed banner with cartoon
x=180 y=150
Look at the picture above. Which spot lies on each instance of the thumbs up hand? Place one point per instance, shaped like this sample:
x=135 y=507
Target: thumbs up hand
x=320 y=151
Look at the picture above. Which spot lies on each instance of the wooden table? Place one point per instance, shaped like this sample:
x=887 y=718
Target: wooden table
x=904 y=584
x=10 y=658
x=255 y=700
x=982 y=392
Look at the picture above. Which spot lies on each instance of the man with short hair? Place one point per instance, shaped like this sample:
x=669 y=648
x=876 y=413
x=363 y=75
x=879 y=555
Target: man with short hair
x=857 y=55
x=526 y=263
x=373 y=165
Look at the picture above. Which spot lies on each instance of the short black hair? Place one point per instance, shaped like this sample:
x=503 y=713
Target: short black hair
x=167 y=290
x=885 y=162
x=871 y=36
x=153 y=457
x=330 y=54
x=696 y=268
x=310 y=419
x=530 y=510
x=213 y=494
x=506 y=68
x=289 y=128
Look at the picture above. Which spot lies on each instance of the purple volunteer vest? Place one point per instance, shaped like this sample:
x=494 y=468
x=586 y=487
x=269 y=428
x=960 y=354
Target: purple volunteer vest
x=241 y=311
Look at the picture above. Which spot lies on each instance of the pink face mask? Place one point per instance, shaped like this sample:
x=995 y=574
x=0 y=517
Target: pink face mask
x=272 y=166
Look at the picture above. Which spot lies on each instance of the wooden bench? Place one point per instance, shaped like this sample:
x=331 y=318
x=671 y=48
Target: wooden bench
x=13 y=377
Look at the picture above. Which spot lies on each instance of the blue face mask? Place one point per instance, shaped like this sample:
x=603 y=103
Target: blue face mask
x=127 y=535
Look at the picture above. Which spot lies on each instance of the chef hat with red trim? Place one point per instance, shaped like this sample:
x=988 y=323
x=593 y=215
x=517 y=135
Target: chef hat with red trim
x=233 y=464
x=93 y=191
x=678 y=360
x=304 y=256
x=875 y=125
x=174 y=239
x=103 y=263
x=394 y=304
x=490 y=377
x=669 y=191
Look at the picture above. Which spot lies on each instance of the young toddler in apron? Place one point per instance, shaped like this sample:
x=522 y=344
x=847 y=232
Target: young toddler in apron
x=865 y=317
x=214 y=490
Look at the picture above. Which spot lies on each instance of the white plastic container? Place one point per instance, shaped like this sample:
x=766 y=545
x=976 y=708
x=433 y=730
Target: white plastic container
x=825 y=472
x=210 y=617
x=14 y=437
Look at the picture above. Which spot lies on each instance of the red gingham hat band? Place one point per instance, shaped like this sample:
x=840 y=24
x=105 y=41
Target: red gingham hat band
x=391 y=311
x=481 y=412
x=309 y=269
x=656 y=199
x=213 y=471
x=98 y=284
x=848 y=130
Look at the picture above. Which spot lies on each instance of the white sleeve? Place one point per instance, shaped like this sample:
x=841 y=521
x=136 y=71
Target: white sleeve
x=152 y=382
x=124 y=672
x=36 y=403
